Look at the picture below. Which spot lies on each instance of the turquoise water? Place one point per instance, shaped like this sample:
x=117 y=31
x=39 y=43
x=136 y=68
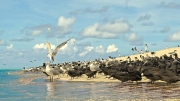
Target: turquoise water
x=11 y=89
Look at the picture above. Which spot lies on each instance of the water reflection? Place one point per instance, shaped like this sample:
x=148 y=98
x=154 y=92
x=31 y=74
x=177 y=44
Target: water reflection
x=110 y=91
x=50 y=88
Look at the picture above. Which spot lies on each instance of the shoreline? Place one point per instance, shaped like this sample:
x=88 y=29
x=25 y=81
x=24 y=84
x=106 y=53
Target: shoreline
x=30 y=77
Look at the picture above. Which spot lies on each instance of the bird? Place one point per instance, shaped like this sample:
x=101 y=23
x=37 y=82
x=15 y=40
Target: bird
x=172 y=53
x=51 y=54
x=50 y=72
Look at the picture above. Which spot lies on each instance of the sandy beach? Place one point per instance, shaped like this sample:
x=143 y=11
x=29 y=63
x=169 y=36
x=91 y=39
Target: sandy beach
x=157 y=53
x=98 y=78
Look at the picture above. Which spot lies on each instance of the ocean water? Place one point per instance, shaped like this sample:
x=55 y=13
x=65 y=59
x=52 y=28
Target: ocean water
x=34 y=87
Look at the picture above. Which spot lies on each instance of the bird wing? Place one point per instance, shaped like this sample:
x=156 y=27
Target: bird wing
x=58 y=47
x=49 y=47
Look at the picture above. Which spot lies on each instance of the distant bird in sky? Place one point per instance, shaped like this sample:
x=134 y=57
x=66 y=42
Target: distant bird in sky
x=51 y=54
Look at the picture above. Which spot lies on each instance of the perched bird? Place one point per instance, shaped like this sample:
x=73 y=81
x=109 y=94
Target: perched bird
x=51 y=54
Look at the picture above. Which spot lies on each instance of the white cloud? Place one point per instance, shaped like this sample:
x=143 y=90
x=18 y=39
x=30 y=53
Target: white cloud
x=43 y=46
x=87 y=50
x=100 y=49
x=64 y=26
x=10 y=47
x=134 y=37
x=36 y=32
x=108 y=30
x=116 y=27
x=65 y=22
x=173 y=37
x=111 y=48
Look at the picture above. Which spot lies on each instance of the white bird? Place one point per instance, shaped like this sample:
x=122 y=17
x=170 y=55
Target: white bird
x=50 y=72
x=51 y=54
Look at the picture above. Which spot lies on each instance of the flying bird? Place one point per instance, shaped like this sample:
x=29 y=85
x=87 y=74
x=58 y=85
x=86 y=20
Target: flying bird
x=51 y=54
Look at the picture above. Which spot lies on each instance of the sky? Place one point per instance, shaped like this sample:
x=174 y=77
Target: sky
x=101 y=28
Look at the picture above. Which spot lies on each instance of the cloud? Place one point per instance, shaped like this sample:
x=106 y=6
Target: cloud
x=87 y=49
x=134 y=39
x=147 y=24
x=9 y=47
x=165 y=29
x=63 y=27
x=170 y=5
x=144 y=17
x=36 y=30
x=107 y=30
x=43 y=46
x=90 y=10
x=111 y=48
x=173 y=37
x=65 y=22
x=25 y=39
x=3 y=43
x=84 y=44
x=100 y=49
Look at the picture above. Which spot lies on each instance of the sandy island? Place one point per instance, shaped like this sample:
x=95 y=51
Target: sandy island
x=29 y=77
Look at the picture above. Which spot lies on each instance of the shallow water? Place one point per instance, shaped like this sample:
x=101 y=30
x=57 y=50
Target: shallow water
x=11 y=89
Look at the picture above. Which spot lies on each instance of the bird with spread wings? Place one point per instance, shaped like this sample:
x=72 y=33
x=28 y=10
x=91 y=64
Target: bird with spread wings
x=51 y=54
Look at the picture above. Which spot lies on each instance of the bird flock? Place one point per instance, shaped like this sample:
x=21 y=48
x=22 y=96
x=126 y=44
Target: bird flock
x=165 y=68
